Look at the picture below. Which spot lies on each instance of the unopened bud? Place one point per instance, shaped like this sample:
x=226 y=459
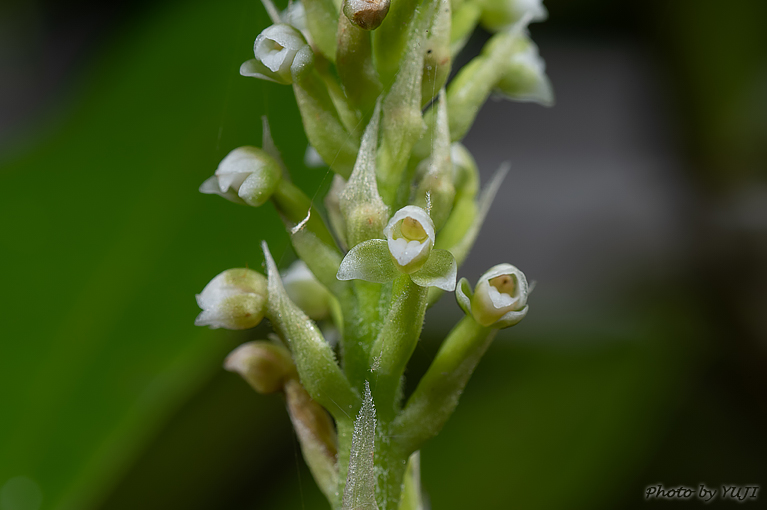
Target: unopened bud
x=501 y=14
x=247 y=175
x=524 y=78
x=366 y=14
x=306 y=291
x=264 y=365
x=235 y=299
x=275 y=49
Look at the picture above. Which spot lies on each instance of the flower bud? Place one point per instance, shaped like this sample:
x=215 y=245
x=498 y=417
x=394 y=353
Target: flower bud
x=235 y=299
x=524 y=78
x=410 y=236
x=499 y=299
x=500 y=14
x=247 y=175
x=264 y=365
x=275 y=50
x=306 y=291
x=366 y=14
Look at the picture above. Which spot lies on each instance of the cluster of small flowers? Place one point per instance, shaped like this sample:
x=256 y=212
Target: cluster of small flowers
x=367 y=275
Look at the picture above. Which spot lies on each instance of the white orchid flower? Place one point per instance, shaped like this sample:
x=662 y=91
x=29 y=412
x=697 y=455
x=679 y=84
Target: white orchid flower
x=247 y=175
x=235 y=299
x=500 y=298
x=407 y=249
x=277 y=49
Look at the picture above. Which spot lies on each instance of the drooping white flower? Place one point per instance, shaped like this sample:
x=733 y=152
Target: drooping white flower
x=499 y=299
x=276 y=49
x=235 y=299
x=247 y=175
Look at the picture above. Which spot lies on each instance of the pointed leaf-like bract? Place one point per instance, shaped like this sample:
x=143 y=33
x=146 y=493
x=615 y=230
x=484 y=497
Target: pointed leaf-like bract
x=440 y=270
x=360 y=490
x=369 y=261
x=363 y=209
x=314 y=357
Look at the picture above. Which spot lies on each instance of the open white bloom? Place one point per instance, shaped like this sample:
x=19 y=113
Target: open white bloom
x=306 y=291
x=408 y=249
x=235 y=299
x=247 y=175
x=410 y=236
x=275 y=49
x=501 y=14
x=499 y=299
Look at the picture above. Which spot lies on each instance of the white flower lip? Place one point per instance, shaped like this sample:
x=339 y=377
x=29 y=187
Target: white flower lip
x=490 y=306
x=403 y=250
x=276 y=47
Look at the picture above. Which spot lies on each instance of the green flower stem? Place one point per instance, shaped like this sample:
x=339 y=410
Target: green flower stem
x=321 y=16
x=294 y=205
x=345 y=430
x=391 y=464
x=354 y=60
x=322 y=123
x=437 y=394
x=411 y=487
x=395 y=344
x=465 y=19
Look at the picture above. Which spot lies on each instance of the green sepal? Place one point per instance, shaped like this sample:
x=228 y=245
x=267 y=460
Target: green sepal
x=440 y=271
x=369 y=261
x=463 y=295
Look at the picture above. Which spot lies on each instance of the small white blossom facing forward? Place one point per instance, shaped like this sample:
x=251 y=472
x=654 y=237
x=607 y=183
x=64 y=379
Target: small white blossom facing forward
x=410 y=235
x=275 y=50
x=235 y=299
x=247 y=175
x=408 y=249
x=499 y=299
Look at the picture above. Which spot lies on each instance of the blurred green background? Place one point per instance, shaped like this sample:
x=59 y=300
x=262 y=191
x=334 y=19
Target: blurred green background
x=112 y=115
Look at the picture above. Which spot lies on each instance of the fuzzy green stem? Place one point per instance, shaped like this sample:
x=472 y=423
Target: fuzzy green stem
x=437 y=394
x=395 y=343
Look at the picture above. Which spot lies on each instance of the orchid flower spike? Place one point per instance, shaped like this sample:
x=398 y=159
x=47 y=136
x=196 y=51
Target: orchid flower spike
x=500 y=298
x=407 y=249
x=247 y=175
x=235 y=299
x=276 y=50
